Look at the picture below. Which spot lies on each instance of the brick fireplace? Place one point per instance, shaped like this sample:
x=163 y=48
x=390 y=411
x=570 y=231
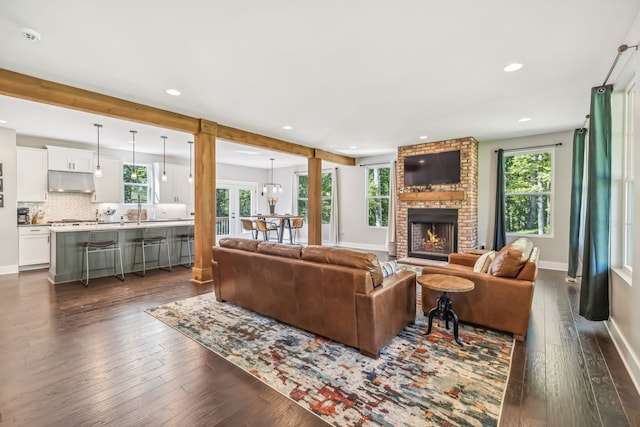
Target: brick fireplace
x=453 y=208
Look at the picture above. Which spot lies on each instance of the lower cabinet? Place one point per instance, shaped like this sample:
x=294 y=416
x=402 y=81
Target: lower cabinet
x=33 y=246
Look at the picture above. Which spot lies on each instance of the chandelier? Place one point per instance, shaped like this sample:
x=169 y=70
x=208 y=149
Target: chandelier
x=275 y=188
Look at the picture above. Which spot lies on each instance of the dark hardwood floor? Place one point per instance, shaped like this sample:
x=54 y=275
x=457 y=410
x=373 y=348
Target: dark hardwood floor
x=76 y=356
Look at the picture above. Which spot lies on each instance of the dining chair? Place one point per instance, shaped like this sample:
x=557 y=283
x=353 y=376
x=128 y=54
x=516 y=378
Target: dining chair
x=296 y=224
x=249 y=225
x=266 y=228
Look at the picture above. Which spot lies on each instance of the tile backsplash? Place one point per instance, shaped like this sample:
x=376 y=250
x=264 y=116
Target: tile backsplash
x=79 y=206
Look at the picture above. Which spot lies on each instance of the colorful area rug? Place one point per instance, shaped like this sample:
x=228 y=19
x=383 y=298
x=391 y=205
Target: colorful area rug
x=417 y=381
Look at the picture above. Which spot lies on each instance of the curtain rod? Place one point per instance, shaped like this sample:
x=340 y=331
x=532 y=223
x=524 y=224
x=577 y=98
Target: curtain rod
x=376 y=164
x=530 y=148
x=621 y=49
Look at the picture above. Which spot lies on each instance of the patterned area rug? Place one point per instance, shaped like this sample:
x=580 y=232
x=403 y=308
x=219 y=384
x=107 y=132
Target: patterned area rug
x=417 y=381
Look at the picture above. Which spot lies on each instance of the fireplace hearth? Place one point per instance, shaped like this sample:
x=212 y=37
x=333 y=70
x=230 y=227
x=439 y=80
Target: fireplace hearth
x=433 y=233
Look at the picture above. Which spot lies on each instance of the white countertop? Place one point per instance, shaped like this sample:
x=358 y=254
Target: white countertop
x=126 y=226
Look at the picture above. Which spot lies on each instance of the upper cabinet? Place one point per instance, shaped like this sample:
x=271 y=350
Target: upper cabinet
x=32 y=176
x=70 y=159
x=109 y=187
x=176 y=189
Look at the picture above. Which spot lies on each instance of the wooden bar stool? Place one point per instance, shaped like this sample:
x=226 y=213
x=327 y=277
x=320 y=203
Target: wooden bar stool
x=99 y=242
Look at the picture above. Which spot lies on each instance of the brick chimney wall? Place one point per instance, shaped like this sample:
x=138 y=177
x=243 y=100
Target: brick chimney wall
x=467 y=208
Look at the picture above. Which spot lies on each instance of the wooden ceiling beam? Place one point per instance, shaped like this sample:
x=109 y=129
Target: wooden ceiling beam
x=335 y=158
x=47 y=92
x=257 y=140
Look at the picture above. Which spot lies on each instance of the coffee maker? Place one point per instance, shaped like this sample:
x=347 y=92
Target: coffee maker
x=23 y=216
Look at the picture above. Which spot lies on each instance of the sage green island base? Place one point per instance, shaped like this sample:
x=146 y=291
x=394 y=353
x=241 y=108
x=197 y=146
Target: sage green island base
x=67 y=249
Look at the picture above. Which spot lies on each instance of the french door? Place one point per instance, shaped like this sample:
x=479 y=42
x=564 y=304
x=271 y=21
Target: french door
x=234 y=200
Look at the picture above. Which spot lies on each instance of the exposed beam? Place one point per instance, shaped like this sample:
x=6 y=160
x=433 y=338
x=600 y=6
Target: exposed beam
x=334 y=158
x=257 y=140
x=47 y=92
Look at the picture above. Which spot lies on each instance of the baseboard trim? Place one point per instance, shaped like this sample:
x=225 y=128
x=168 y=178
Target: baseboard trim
x=548 y=265
x=8 y=269
x=629 y=359
x=364 y=246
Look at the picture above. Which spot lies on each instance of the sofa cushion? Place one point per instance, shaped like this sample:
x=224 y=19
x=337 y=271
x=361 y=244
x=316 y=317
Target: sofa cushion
x=279 y=249
x=236 y=243
x=483 y=262
x=346 y=257
x=510 y=260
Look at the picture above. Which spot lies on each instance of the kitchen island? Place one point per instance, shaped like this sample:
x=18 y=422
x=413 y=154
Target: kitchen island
x=67 y=248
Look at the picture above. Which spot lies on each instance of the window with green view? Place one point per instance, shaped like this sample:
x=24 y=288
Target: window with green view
x=138 y=189
x=377 y=196
x=302 y=196
x=528 y=191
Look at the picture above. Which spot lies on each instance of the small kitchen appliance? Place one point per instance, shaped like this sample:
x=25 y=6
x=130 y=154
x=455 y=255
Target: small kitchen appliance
x=23 y=216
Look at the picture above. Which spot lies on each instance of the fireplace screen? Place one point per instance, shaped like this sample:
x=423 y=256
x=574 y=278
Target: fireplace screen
x=433 y=236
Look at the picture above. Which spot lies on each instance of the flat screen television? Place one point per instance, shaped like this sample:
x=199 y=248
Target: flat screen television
x=435 y=168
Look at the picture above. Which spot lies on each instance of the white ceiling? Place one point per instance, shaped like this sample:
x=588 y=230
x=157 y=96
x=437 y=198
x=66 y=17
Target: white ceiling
x=372 y=75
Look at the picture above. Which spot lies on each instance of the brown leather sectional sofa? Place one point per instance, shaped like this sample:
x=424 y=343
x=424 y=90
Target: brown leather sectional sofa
x=502 y=296
x=337 y=293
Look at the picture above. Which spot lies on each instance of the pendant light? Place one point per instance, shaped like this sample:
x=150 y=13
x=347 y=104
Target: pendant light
x=164 y=158
x=98 y=172
x=134 y=176
x=275 y=188
x=190 y=174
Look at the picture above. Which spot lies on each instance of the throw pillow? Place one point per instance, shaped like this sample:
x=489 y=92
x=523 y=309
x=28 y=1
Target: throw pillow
x=483 y=262
x=388 y=268
x=507 y=263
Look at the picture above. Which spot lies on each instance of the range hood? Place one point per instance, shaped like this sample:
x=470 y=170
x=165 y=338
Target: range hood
x=71 y=182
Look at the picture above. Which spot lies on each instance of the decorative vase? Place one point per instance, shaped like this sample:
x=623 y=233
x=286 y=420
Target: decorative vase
x=272 y=209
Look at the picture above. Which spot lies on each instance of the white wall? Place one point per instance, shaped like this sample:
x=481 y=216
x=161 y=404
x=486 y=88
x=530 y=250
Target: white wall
x=8 y=215
x=554 y=250
x=624 y=290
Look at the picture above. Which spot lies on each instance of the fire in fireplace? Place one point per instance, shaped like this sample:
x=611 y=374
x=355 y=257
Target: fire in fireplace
x=433 y=233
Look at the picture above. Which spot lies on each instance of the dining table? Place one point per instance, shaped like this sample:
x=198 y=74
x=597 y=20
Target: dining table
x=284 y=221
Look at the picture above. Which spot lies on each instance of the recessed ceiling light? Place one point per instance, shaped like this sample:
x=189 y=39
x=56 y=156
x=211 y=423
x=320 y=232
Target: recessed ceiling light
x=513 y=67
x=287 y=127
x=3 y=122
x=31 y=34
x=251 y=153
x=424 y=137
x=173 y=92
x=353 y=147
x=524 y=119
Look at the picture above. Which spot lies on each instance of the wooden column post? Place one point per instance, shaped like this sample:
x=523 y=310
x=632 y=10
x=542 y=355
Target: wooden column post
x=204 y=236
x=315 y=201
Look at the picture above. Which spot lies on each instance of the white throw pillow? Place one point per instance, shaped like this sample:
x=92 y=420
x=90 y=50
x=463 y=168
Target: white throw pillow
x=483 y=262
x=388 y=268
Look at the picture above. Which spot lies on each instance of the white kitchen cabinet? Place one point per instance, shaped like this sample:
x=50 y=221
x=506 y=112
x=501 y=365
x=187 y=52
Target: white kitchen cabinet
x=177 y=189
x=109 y=187
x=70 y=159
x=32 y=174
x=33 y=245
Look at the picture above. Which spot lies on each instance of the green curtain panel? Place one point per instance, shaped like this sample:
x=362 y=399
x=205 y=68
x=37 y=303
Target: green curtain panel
x=594 y=289
x=577 y=173
x=499 y=234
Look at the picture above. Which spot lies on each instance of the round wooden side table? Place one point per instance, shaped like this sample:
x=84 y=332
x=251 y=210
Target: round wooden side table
x=444 y=307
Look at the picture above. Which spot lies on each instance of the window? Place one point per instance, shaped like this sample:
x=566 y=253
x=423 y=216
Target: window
x=137 y=190
x=303 y=196
x=377 y=196
x=528 y=191
x=627 y=238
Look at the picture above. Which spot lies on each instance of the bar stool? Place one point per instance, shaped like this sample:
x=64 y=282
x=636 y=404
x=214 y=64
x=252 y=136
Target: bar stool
x=101 y=241
x=151 y=237
x=266 y=228
x=249 y=225
x=188 y=239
